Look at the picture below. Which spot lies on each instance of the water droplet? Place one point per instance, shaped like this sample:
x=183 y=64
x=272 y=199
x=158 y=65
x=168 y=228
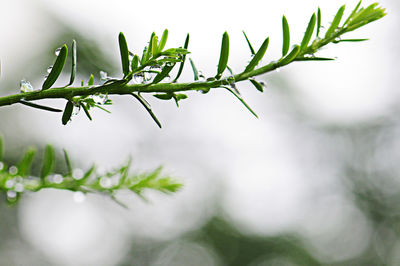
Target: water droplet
x=49 y=69
x=10 y=183
x=201 y=76
x=25 y=86
x=57 y=51
x=58 y=179
x=1 y=166
x=139 y=78
x=263 y=84
x=77 y=174
x=105 y=182
x=337 y=39
x=76 y=110
x=11 y=194
x=100 y=98
x=278 y=70
x=13 y=170
x=19 y=187
x=79 y=197
x=103 y=76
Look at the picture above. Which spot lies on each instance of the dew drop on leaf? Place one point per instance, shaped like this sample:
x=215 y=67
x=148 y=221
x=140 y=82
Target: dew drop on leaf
x=49 y=69
x=57 y=51
x=77 y=174
x=25 y=86
x=10 y=183
x=105 y=182
x=58 y=179
x=13 y=170
x=19 y=187
x=11 y=194
x=100 y=98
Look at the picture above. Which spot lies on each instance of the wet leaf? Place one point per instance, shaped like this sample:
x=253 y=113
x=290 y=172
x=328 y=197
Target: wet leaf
x=290 y=57
x=223 y=58
x=318 y=21
x=308 y=33
x=186 y=45
x=24 y=167
x=257 y=85
x=69 y=107
x=57 y=68
x=286 y=36
x=258 y=56
x=163 y=40
x=249 y=44
x=123 y=48
x=163 y=74
x=335 y=22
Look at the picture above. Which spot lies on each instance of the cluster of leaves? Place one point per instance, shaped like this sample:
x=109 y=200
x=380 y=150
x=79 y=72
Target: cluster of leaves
x=17 y=179
x=152 y=70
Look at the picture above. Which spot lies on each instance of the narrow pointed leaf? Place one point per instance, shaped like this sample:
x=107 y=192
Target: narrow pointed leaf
x=257 y=85
x=223 y=58
x=85 y=109
x=135 y=62
x=314 y=59
x=163 y=40
x=195 y=71
x=164 y=73
x=258 y=56
x=351 y=40
x=67 y=162
x=73 y=63
x=24 y=167
x=69 y=107
x=123 y=49
x=147 y=107
x=87 y=174
x=150 y=47
x=154 y=46
x=335 y=22
x=57 y=68
x=48 y=162
x=38 y=106
x=290 y=57
x=249 y=44
x=353 y=12
x=318 y=21
x=186 y=45
x=309 y=32
x=164 y=96
x=91 y=80
x=286 y=36
x=241 y=100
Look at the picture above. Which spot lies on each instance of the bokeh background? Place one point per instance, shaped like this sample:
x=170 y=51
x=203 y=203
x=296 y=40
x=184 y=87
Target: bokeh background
x=314 y=180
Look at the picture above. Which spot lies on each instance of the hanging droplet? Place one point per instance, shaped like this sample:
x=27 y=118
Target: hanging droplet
x=76 y=110
x=167 y=78
x=58 y=179
x=25 y=86
x=100 y=98
x=103 y=76
x=11 y=194
x=77 y=174
x=201 y=76
x=337 y=39
x=49 y=69
x=19 y=187
x=13 y=170
x=10 y=183
x=105 y=182
x=57 y=51
x=278 y=70
x=79 y=197
x=139 y=78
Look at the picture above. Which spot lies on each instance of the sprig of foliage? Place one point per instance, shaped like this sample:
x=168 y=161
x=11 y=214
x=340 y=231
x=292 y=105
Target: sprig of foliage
x=151 y=72
x=16 y=180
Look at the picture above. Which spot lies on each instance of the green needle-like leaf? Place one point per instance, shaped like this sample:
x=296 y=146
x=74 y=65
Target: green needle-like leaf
x=258 y=56
x=38 y=106
x=350 y=40
x=154 y=46
x=290 y=57
x=335 y=22
x=308 y=33
x=48 y=162
x=135 y=62
x=314 y=59
x=163 y=74
x=318 y=21
x=223 y=58
x=25 y=164
x=241 y=100
x=91 y=80
x=69 y=107
x=147 y=106
x=57 y=68
x=257 y=85
x=123 y=49
x=73 y=63
x=286 y=36
x=195 y=71
x=67 y=162
x=353 y=13
x=85 y=109
x=164 y=96
x=186 y=45
x=150 y=47
x=249 y=44
x=163 y=40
